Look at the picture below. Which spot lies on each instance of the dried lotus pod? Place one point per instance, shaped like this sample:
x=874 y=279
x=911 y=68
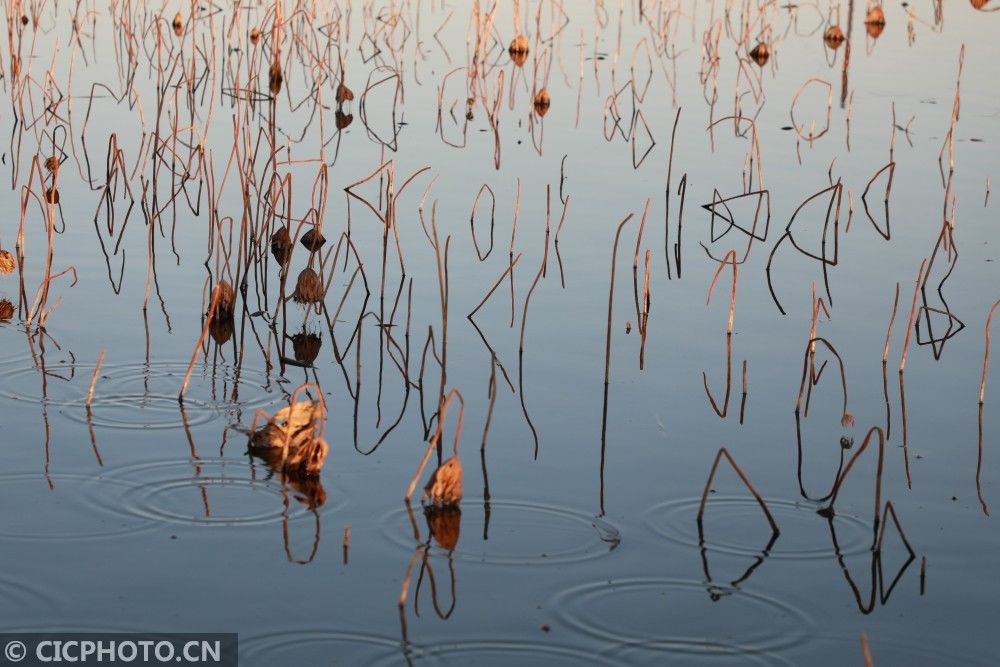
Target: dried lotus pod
x=24 y=19
x=875 y=15
x=875 y=22
x=6 y=310
x=518 y=50
x=178 y=24
x=834 y=37
x=52 y=163
x=761 y=53
x=275 y=78
x=308 y=457
x=255 y=36
x=281 y=245
x=299 y=456
x=979 y=4
x=299 y=416
x=444 y=524
x=7 y=263
x=306 y=347
x=291 y=440
x=344 y=94
x=52 y=196
x=847 y=420
x=308 y=287
x=542 y=102
x=226 y=303
x=445 y=485
x=313 y=240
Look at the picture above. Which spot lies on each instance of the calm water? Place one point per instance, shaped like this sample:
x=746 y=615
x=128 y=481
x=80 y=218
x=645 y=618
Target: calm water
x=577 y=539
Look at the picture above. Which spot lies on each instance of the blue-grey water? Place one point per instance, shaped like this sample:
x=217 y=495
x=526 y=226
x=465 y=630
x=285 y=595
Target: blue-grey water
x=578 y=539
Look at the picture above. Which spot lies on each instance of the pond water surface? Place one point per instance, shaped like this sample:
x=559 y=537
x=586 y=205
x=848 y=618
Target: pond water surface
x=152 y=153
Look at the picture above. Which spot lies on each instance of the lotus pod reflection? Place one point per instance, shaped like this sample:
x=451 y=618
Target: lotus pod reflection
x=221 y=329
x=341 y=119
x=444 y=523
x=306 y=347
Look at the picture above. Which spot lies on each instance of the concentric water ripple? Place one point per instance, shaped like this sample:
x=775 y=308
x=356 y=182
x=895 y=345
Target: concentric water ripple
x=64 y=507
x=498 y=652
x=315 y=647
x=132 y=395
x=681 y=618
x=730 y=520
x=24 y=598
x=519 y=533
x=660 y=653
x=205 y=492
x=915 y=649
